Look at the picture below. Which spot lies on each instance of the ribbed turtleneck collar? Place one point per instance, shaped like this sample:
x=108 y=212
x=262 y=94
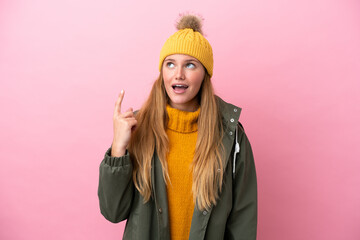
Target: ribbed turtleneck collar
x=182 y=121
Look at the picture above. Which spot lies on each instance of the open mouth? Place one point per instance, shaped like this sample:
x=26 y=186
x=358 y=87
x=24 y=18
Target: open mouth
x=179 y=86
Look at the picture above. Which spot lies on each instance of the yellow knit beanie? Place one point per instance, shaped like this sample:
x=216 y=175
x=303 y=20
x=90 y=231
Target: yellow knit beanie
x=189 y=40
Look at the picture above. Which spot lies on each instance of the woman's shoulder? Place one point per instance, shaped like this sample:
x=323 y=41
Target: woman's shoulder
x=227 y=107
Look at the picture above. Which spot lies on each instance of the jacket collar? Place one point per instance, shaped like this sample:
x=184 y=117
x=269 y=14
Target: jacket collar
x=230 y=115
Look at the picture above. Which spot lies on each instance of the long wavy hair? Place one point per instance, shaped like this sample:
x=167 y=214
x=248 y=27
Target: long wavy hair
x=150 y=136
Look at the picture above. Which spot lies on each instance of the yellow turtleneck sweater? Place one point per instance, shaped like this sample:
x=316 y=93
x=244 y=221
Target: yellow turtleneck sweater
x=182 y=134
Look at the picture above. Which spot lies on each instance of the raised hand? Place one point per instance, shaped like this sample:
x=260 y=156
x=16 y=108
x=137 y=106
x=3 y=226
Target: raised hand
x=124 y=123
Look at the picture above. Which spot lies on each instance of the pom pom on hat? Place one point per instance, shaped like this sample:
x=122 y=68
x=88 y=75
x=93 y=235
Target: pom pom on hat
x=190 y=21
x=190 y=41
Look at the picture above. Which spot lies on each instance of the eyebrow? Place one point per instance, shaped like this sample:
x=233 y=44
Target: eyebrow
x=188 y=60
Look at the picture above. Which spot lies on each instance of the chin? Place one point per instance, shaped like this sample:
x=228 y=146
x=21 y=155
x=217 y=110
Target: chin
x=180 y=101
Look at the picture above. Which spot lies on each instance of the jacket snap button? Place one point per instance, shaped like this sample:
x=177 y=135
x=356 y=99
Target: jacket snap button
x=160 y=210
x=232 y=120
x=235 y=110
x=204 y=213
x=231 y=133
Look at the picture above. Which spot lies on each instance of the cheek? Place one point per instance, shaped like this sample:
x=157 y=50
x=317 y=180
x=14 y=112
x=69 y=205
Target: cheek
x=166 y=78
x=198 y=79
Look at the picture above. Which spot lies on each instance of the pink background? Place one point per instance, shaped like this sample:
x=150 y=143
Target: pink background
x=293 y=66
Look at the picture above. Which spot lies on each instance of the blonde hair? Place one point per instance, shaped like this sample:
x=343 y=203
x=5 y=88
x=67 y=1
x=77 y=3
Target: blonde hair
x=150 y=135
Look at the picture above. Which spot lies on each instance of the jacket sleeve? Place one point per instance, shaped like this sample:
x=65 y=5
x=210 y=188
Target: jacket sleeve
x=116 y=187
x=242 y=221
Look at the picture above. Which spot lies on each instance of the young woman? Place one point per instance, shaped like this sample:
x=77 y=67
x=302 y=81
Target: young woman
x=182 y=166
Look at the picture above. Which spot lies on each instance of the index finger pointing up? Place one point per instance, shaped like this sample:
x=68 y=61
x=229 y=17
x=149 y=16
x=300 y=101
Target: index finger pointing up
x=119 y=101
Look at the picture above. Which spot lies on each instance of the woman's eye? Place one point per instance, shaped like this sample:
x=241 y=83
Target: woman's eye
x=170 y=64
x=190 y=65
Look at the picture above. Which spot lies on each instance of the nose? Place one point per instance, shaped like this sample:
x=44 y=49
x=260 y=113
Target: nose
x=179 y=75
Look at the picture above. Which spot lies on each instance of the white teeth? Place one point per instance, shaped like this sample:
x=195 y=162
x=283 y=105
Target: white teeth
x=180 y=86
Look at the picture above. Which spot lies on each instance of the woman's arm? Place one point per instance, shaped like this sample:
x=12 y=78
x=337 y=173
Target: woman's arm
x=116 y=187
x=242 y=221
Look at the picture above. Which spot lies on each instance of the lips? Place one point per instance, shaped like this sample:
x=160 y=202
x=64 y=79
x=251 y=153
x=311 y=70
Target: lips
x=179 y=88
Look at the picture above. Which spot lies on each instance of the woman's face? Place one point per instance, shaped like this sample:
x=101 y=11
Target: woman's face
x=183 y=76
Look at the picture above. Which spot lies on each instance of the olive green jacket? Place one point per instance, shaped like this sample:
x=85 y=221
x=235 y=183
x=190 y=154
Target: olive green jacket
x=233 y=217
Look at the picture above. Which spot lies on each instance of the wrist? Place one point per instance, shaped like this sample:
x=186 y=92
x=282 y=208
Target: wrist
x=117 y=151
